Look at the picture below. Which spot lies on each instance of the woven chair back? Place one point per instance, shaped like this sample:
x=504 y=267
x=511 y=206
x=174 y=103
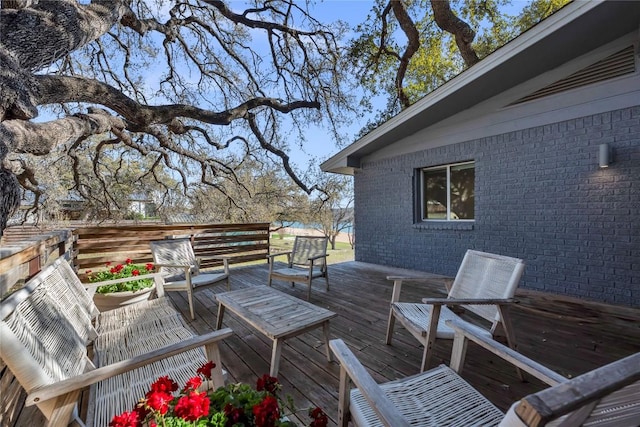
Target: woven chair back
x=485 y=276
x=40 y=338
x=174 y=252
x=305 y=247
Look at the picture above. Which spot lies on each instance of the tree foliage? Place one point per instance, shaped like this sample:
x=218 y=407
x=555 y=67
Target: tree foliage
x=407 y=48
x=190 y=85
x=258 y=194
x=333 y=213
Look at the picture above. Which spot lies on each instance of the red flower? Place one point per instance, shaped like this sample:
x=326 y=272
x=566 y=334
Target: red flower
x=192 y=384
x=128 y=261
x=149 y=266
x=135 y=273
x=319 y=418
x=126 y=419
x=108 y=264
x=234 y=415
x=164 y=385
x=159 y=401
x=89 y=271
x=192 y=406
x=205 y=370
x=142 y=411
x=268 y=384
x=267 y=412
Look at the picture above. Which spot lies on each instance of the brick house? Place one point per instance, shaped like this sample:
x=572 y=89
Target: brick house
x=506 y=158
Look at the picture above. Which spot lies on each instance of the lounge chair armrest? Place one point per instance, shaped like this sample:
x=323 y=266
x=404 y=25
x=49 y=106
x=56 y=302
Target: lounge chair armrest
x=424 y=278
x=464 y=331
x=157 y=278
x=225 y=261
x=551 y=403
x=154 y=276
x=184 y=266
x=468 y=301
x=418 y=278
x=313 y=258
x=79 y=382
x=271 y=256
x=380 y=403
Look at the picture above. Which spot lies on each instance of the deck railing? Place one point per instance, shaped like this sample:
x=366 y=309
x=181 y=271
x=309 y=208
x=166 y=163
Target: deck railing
x=242 y=242
x=25 y=250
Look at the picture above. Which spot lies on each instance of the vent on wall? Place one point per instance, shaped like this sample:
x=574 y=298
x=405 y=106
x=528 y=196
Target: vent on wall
x=618 y=64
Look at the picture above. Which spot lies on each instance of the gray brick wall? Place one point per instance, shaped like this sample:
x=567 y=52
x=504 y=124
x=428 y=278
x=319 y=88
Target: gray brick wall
x=539 y=196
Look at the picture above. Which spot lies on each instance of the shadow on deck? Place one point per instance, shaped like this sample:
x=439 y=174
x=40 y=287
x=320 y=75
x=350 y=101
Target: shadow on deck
x=567 y=335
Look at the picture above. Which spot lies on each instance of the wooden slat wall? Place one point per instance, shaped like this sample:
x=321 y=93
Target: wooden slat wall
x=99 y=245
x=25 y=250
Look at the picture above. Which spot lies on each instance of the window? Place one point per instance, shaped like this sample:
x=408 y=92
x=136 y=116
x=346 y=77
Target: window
x=447 y=192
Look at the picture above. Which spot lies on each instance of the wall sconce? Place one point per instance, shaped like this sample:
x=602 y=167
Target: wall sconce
x=603 y=157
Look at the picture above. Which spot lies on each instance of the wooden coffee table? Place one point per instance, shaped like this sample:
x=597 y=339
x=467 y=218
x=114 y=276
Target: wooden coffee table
x=275 y=314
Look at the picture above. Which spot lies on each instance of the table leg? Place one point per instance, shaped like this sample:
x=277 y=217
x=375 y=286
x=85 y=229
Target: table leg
x=325 y=331
x=220 y=316
x=275 y=356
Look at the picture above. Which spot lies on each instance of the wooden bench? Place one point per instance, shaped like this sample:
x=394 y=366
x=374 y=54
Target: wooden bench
x=57 y=344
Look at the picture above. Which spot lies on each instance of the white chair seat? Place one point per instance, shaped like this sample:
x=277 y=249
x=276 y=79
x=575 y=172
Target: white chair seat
x=308 y=253
x=418 y=315
x=201 y=279
x=424 y=400
x=180 y=268
x=484 y=285
x=297 y=272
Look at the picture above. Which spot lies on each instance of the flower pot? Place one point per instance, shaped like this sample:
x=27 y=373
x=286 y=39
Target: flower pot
x=109 y=301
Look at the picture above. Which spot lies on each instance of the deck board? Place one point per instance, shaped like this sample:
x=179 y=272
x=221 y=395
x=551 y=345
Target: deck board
x=567 y=335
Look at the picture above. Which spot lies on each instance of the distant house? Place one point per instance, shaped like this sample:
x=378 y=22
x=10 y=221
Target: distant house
x=141 y=206
x=534 y=152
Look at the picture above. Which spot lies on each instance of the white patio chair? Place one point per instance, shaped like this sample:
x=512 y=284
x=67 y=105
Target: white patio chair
x=177 y=262
x=607 y=396
x=484 y=285
x=306 y=261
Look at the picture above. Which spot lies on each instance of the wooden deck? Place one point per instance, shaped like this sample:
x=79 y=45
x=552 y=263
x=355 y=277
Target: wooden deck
x=567 y=335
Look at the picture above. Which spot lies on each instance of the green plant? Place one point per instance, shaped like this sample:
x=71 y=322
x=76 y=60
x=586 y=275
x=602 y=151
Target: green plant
x=234 y=405
x=121 y=271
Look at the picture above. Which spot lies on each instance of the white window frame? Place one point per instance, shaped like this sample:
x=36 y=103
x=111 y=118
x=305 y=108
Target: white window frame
x=422 y=208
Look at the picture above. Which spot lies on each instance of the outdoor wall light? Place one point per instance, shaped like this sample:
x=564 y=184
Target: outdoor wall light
x=603 y=158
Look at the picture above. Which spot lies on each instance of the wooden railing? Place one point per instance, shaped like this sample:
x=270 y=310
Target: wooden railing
x=25 y=250
x=99 y=245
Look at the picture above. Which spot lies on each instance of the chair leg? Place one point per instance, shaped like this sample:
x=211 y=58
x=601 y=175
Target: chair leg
x=430 y=337
x=511 y=339
x=309 y=289
x=190 y=298
x=390 y=324
x=326 y=276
